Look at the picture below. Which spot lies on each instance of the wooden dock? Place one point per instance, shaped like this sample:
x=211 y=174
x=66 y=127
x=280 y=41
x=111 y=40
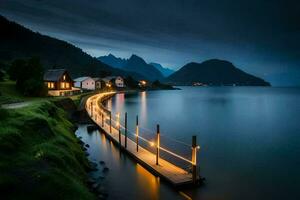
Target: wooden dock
x=164 y=169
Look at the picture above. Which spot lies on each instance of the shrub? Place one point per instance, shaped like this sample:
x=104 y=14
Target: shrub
x=3 y=113
x=29 y=76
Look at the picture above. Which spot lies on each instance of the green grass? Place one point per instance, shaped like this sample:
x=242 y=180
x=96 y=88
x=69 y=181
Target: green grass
x=40 y=157
x=9 y=94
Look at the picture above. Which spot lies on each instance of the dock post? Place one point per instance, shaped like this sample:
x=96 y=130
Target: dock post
x=137 y=133
x=110 y=122
x=125 y=130
x=119 y=128
x=157 y=143
x=92 y=109
x=102 y=119
x=194 y=159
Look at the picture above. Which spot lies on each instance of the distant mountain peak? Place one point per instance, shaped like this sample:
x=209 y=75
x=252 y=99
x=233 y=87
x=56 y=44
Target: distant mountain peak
x=214 y=72
x=133 y=64
x=111 y=55
x=136 y=58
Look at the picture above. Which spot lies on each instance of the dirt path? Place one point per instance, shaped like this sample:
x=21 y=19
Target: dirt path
x=16 y=105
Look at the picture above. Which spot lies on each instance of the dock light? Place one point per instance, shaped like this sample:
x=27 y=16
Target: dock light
x=118 y=127
x=151 y=144
x=118 y=120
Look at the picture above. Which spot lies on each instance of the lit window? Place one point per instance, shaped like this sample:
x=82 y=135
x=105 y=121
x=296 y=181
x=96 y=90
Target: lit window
x=64 y=77
x=67 y=85
x=63 y=85
x=52 y=85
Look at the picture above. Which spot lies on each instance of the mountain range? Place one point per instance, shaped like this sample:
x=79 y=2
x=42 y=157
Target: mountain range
x=214 y=72
x=19 y=42
x=133 y=64
x=122 y=63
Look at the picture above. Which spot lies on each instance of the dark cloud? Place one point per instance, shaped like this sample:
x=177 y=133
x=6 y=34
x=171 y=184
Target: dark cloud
x=261 y=37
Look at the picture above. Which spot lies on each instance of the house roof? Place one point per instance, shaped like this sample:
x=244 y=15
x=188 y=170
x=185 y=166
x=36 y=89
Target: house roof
x=54 y=74
x=108 y=78
x=96 y=79
x=80 y=79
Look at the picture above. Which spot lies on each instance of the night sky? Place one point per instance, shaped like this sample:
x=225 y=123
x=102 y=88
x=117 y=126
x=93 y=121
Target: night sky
x=261 y=37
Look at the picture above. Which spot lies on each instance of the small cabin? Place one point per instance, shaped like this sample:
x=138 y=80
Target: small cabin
x=99 y=83
x=58 y=79
x=86 y=83
x=118 y=81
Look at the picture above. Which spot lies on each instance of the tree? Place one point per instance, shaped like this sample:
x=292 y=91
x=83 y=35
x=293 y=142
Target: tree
x=131 y=83
x=16 y=68
x=1 y=75
x=29 y=76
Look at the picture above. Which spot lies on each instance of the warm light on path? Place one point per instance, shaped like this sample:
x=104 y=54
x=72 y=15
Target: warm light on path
x=165 y=169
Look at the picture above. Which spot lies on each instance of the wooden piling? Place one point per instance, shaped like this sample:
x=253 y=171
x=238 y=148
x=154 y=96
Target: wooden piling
x=157 y=143
x=125 y=130
x=92 y=109
x=137 y=133
x=109 y=122
x=194 y=159
x=119 y=128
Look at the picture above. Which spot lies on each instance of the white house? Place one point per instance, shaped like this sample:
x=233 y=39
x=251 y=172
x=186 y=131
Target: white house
x=118 y=81
x=85 y=82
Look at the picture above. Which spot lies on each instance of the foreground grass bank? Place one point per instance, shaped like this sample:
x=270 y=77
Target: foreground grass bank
x=40 y=157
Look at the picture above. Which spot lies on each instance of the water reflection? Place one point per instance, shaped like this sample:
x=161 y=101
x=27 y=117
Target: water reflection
x=146 y=180
x=126 y=179
x=143 y=112
x=247 y=136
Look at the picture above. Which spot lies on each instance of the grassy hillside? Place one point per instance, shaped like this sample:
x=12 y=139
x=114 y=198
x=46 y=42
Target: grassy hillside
x=40 y=157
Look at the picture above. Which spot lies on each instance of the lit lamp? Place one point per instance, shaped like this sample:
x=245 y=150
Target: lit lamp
x=143 y=83
x=118 y=126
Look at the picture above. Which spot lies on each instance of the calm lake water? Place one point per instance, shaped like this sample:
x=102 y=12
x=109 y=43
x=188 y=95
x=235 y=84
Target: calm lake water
x=249 y=138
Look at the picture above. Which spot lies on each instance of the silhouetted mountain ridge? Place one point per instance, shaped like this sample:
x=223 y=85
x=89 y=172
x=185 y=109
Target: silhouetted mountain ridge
x=214 y=72
x=134 y=64
x=19 y=42
x=165 y=71
x=112 y=60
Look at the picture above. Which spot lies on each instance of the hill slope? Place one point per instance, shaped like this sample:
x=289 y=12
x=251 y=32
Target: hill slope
x=137 y=64
x=113 y=61
x=133 y=64
x=214 y=72
x=165 y=71
x=19 y=42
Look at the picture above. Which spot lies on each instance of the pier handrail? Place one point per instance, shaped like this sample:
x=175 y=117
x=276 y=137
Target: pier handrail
x=99 y=109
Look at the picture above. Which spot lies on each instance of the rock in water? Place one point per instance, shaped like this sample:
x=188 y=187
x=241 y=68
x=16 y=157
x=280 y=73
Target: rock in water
x=91 y=128
x=105 y=169
x=102 y=162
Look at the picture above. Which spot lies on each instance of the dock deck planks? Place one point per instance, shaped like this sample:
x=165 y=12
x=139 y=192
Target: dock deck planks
x=166 y=170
